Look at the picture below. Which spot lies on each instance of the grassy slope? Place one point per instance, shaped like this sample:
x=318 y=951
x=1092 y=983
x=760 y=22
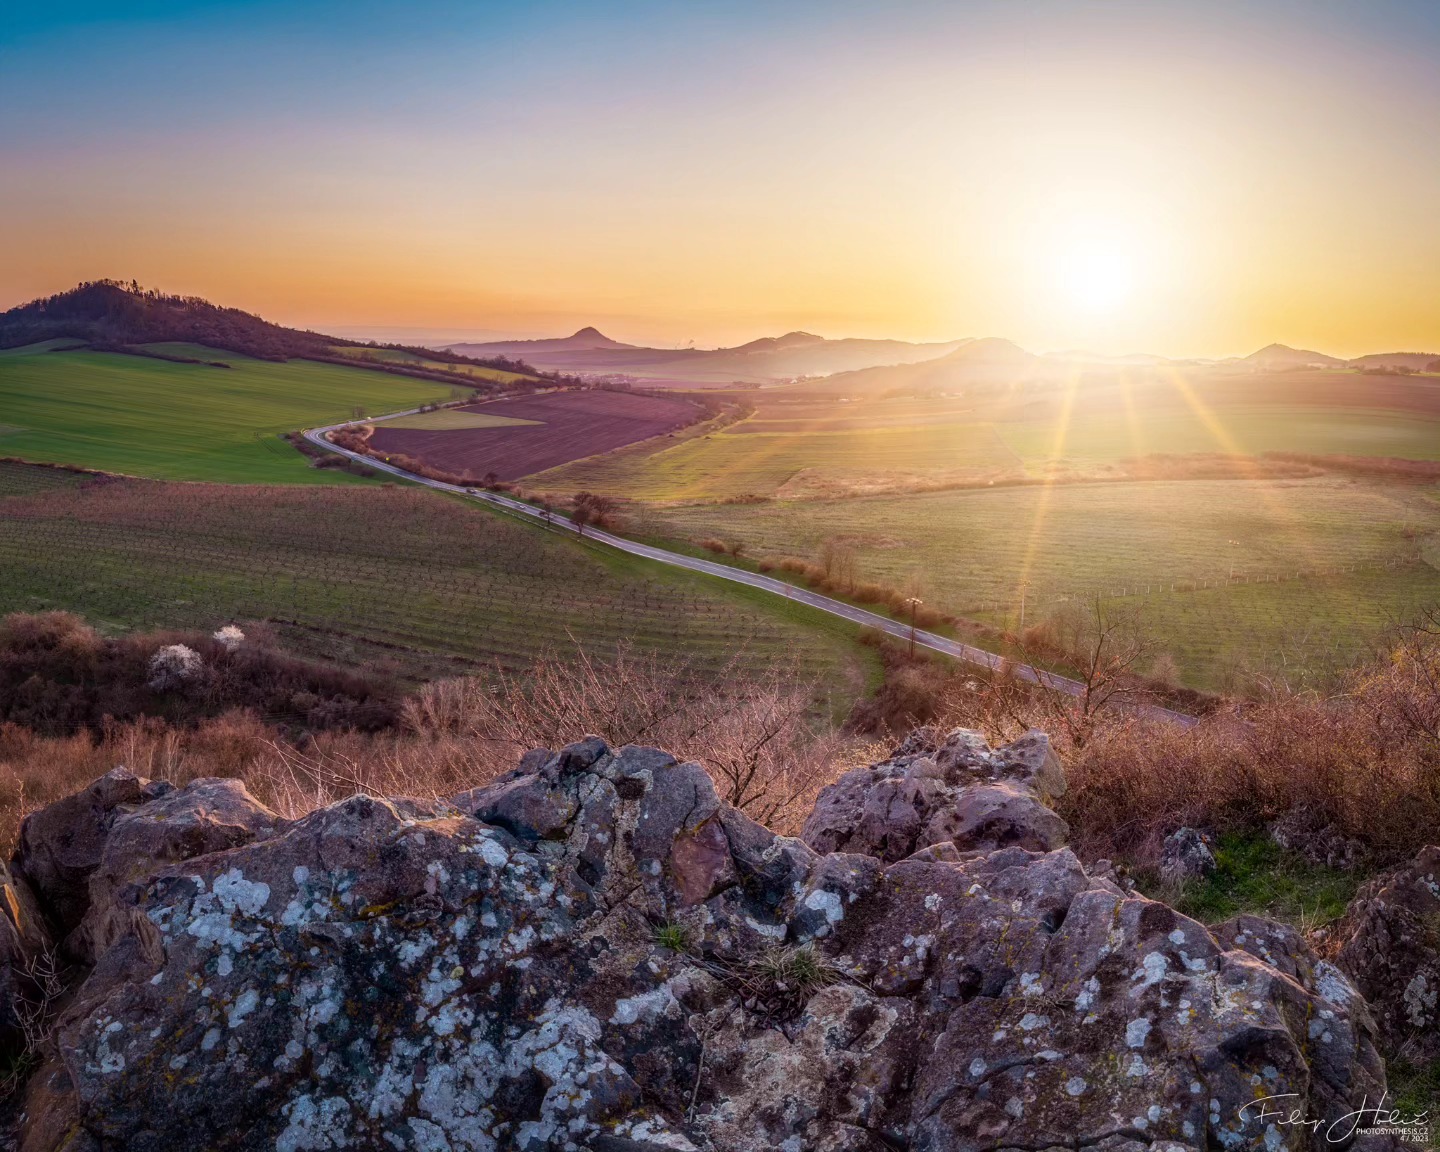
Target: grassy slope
x=155 y=418
x=733 y=463
x=970 y=549
x=1246 y=431
x=396 y=356
x=428 y=585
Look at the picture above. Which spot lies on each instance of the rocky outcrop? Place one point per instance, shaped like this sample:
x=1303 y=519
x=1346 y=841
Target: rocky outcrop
x=595 y=952
x=954 y=790
x=1186 y=854
x=60 y=846
x=1389 y=941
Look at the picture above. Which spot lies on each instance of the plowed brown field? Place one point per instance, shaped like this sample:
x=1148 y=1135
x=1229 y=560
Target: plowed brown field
x=572 y=425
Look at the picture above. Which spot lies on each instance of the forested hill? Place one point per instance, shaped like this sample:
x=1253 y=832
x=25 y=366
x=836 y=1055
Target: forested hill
x=109 y=314
x=106 y=312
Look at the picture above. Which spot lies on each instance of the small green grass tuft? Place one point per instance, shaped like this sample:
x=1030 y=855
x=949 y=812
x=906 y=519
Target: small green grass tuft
x=1254 y=874
x=1414 y=1088
x=797 y=971
x=672 y=936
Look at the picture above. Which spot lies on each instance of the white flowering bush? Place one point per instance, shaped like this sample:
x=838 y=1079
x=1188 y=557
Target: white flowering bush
x=172 y=666
x=229 y=637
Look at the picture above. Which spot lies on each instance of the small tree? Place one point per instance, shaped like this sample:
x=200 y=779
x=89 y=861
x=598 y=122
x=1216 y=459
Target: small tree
x=837 y=561
x=229 y=637
x=1108 y=647
x=172 y=666
x=1103 y=647
x=597 y=509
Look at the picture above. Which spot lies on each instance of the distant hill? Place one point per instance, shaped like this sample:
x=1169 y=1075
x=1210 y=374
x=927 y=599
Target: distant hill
x=585 y=340
x=114 y=316
x=1415 y=361
x=1283 y=356
x=776 y=343
x=766 y=360
x=989 y=350
x=989 y=360
x=111 y=314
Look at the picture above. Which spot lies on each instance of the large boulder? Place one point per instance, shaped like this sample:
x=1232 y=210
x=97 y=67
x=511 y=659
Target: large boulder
x=60 y=845
x=1186 y=854
x=207 y=815
x=596 y=952
x=954 y=789
x=1390 y=943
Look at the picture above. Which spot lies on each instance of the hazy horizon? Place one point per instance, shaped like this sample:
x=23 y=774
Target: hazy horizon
x=1194 y=181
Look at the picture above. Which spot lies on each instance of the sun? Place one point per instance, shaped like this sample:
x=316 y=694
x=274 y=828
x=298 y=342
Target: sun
x=1096 y=274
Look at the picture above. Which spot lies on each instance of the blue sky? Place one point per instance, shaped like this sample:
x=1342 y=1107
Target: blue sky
x=718 y=170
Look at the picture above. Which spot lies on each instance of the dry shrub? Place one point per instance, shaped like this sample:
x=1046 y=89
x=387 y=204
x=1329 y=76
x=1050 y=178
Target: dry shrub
x=757 y=736
x=57 y=675
x=37 y=770
x=295 y=779
x=1364 y=764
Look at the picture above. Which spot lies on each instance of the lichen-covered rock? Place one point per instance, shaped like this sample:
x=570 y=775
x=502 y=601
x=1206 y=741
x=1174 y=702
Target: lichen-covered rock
x=60 y=845
x=207 y=815
x=1390 y=944
x=595 y=952
x=1186 y=855
x=1302 y=831
x=955 y=790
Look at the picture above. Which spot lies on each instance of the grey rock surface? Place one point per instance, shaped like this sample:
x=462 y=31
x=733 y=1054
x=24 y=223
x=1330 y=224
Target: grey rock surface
x=595 y=952
x=1390 y=943
x=952 y=789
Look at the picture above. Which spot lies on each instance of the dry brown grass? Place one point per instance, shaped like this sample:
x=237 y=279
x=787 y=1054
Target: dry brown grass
x=759 y=738
x=1363 y=763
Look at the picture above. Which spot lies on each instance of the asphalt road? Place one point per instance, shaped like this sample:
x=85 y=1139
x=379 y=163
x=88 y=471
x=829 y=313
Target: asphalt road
x=923 y=639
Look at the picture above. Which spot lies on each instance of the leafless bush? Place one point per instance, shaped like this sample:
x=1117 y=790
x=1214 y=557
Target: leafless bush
x=1363 y=763
x=757 y=736
x=41 y=983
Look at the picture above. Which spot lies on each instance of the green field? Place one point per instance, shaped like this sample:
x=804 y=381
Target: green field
x=732 y=463
x=969 y=552
x=396 y=578
x=445 y=419
x=148 y=417
x=1234 y=430
x=1301 y=632
x=865 y=447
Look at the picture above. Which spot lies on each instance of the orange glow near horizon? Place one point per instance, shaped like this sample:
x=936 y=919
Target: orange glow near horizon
x=1177 y=180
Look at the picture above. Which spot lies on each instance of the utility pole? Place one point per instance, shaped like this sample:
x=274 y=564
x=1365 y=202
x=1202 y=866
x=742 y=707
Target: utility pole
x=1024 y=587
x=1233 y=545
x=914 y=602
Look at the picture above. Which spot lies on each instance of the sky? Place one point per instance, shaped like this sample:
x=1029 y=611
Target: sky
x=1188 y=179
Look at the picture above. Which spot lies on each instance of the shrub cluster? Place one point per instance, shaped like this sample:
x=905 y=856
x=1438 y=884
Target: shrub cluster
x=58 y=675
x=837 y=578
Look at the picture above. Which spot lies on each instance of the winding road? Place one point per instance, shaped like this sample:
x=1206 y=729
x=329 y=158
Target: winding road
x=558 y=522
